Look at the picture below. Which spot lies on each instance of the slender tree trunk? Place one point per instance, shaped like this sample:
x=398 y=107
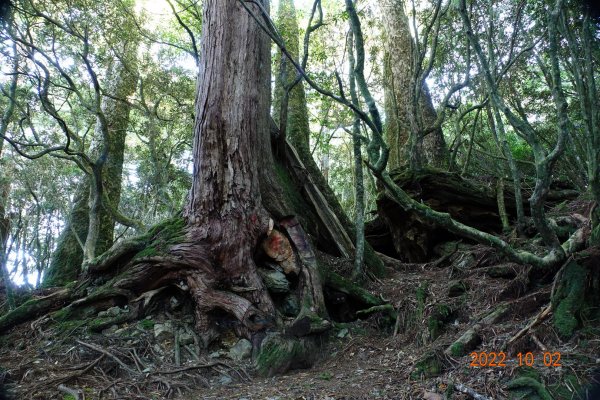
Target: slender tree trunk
x=107 y=181
x=77 y=241
x=359 y=185
x=499 y=133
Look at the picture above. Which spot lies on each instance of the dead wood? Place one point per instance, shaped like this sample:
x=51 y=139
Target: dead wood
x=535 y=321
x=468 y=202
x=34 y=308
x=467 y=390
x=471 y=339
x=317 y=201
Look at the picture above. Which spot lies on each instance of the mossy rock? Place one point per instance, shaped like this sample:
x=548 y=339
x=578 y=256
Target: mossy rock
x=428 y=366
x=527 y=388
x=440 y=316
x=279 y=354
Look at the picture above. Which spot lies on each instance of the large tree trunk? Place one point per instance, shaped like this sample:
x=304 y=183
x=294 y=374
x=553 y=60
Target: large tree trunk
x=407 y=116
x=226 y=252
x=224 y=210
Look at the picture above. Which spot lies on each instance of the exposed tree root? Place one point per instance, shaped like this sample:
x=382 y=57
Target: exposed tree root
x=34 y=308
x=135 y=272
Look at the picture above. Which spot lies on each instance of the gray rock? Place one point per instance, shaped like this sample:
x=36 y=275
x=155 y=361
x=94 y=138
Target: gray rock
x=163 y=331
x=102 y=314
x=275 y=281
x=186 y=338
x=241 y=350
x=225 y=380
x=113 y=311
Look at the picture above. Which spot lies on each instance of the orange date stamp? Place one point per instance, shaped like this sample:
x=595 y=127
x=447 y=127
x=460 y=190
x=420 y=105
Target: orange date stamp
x=499 y=360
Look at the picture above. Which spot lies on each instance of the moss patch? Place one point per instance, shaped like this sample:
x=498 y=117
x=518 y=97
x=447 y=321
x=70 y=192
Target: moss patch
x=162 y=236
x=569 y=299
x=428 y=366
x=279 y=354
x=438 y=318
x=457 y=349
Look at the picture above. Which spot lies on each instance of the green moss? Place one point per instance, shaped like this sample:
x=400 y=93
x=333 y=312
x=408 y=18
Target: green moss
x=62 y=315
x=563 y=388
x=146 y=324
x=326 y=376
x=421 y=297
x=569 y=299
x=536 y=389
x=343 y=285
x=438 y=318
x=290 y=190
x=457 y=349
x=70 y=326
x=278 y=354
x=428 y=366
x=595 y=236
x=162 y=236
x=375 y=265
x=147 y=252
x=98 y=324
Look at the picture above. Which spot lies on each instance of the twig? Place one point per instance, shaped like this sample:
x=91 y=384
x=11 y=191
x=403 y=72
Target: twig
x=109 y=354
x=177 y=349
x=467 y=390
x=542 y=315
x=539 y=343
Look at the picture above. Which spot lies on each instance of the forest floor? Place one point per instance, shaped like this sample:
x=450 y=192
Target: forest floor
x=361 y=359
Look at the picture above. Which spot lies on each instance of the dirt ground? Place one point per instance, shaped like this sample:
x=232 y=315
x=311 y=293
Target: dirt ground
x=364 y=359
x=368 y=356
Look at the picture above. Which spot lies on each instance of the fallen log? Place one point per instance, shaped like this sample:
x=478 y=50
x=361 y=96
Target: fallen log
x=468 y=202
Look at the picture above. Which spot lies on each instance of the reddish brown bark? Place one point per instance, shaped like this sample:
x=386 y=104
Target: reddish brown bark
x=232 y=124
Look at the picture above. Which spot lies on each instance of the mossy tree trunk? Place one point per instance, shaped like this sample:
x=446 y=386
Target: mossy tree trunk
x=88 y=209
x=108 y=148
x=407 y=101
x=66 y=260
x=11 y=89
x=234 y=198
x=292 y=107
x=226 y=215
